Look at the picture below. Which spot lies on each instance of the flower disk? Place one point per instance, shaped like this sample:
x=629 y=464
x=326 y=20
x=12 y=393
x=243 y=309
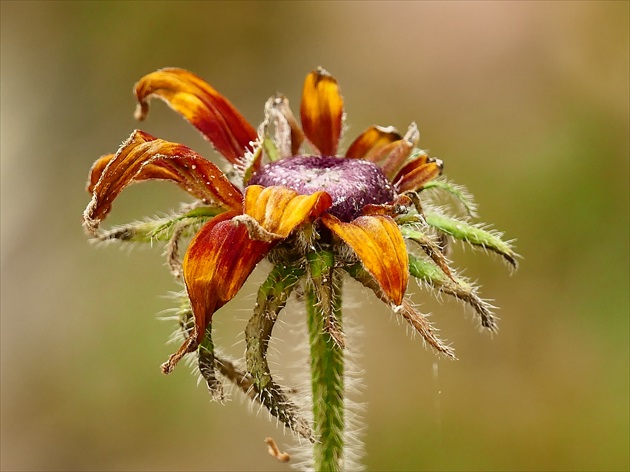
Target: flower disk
x=352 y=183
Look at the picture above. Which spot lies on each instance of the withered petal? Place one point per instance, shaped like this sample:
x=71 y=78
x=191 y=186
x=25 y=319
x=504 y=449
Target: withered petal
x=378 y=243
x=143 y=157
x=218 y=261
x=393 y=155
x=371 y=140
x=280 y=210
x=417 y=173
x=321 y=111
x=204 y=107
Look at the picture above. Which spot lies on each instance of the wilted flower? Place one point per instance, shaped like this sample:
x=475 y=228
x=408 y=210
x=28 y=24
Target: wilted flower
x=314 y=213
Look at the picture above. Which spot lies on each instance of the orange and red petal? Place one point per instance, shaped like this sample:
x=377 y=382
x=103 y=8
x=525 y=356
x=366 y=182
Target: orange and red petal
x=218 y=261
x=371 y=140
x=392 y=156
x=378 y=243
x=204 y=107
x=279 y=210
x=143 y=157
x=417 y=173
x=321 y=111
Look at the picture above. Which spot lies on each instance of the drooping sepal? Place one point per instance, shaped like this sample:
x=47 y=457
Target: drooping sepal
x=322 y=111
x=143 y=157
x=205 y=108
x=409 y=313
x=271 y=299
x=380 y=247
x=458 y=287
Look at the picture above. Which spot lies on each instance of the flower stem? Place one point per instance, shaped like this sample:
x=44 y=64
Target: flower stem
x=323 y=307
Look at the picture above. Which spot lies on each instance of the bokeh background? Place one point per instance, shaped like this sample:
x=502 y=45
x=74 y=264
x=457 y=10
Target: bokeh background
x=526 y=102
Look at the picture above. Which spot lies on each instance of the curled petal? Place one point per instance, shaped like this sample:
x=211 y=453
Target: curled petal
x=143 y=157
x=378 y=243
x=392 y=156
x=280 y=210
x=371 y=141
x=218 y=261
x=321 y=111
x=204 y=107
x=417 y=173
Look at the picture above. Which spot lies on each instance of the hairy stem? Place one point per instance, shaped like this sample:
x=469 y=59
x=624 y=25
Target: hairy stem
x=323 y=308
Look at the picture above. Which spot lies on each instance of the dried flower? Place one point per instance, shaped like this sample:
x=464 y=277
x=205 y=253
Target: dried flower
x=290 y=197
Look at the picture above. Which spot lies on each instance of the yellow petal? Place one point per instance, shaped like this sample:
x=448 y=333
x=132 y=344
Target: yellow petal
x=378 y=243
x=280 y=210
x=321 y=111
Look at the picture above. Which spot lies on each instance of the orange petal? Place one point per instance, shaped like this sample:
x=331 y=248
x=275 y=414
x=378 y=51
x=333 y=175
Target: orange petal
x=218 y=261
x=204 y=107
x=143 y=157
x=378 y=243
x=391 y=156
x=280 y=210
x=418 y=172
x=371 y=140
x=321 y=111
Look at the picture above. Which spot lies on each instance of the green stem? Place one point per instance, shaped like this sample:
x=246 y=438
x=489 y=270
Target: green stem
x=323 y=307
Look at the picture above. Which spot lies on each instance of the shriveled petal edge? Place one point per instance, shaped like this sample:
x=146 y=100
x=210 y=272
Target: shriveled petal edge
x=144 y=157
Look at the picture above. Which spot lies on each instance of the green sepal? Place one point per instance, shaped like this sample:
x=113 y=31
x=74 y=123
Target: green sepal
x=458 y=287
x=457 y=191
x=472 y=234
x=272 y=298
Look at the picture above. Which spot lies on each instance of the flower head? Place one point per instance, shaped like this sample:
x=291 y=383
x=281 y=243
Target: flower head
x=290 y=195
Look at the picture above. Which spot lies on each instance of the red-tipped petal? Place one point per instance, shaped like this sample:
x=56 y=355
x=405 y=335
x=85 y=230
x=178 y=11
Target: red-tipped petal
x=204 y=107
x=143 y=157
x=417 y=173
x=218 y=261
x=371 y=140
x=280 y=210
x=321 y=111
x=378 y=243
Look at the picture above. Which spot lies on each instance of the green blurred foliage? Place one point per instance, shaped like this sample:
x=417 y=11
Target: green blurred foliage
x=527 y=104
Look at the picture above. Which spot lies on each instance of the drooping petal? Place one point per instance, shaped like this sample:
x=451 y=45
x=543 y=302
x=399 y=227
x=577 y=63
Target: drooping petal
x=321 y=111
x=279 y=210
x=371 y=140
x=204 y=107
x=378 y=243
x=417 y=173
x=143 y=157
x=218 y=261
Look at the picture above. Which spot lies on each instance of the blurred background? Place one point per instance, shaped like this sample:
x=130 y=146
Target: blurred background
x=527 y=104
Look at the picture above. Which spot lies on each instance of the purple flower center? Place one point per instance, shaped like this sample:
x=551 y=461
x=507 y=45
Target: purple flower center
x=352 y=183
